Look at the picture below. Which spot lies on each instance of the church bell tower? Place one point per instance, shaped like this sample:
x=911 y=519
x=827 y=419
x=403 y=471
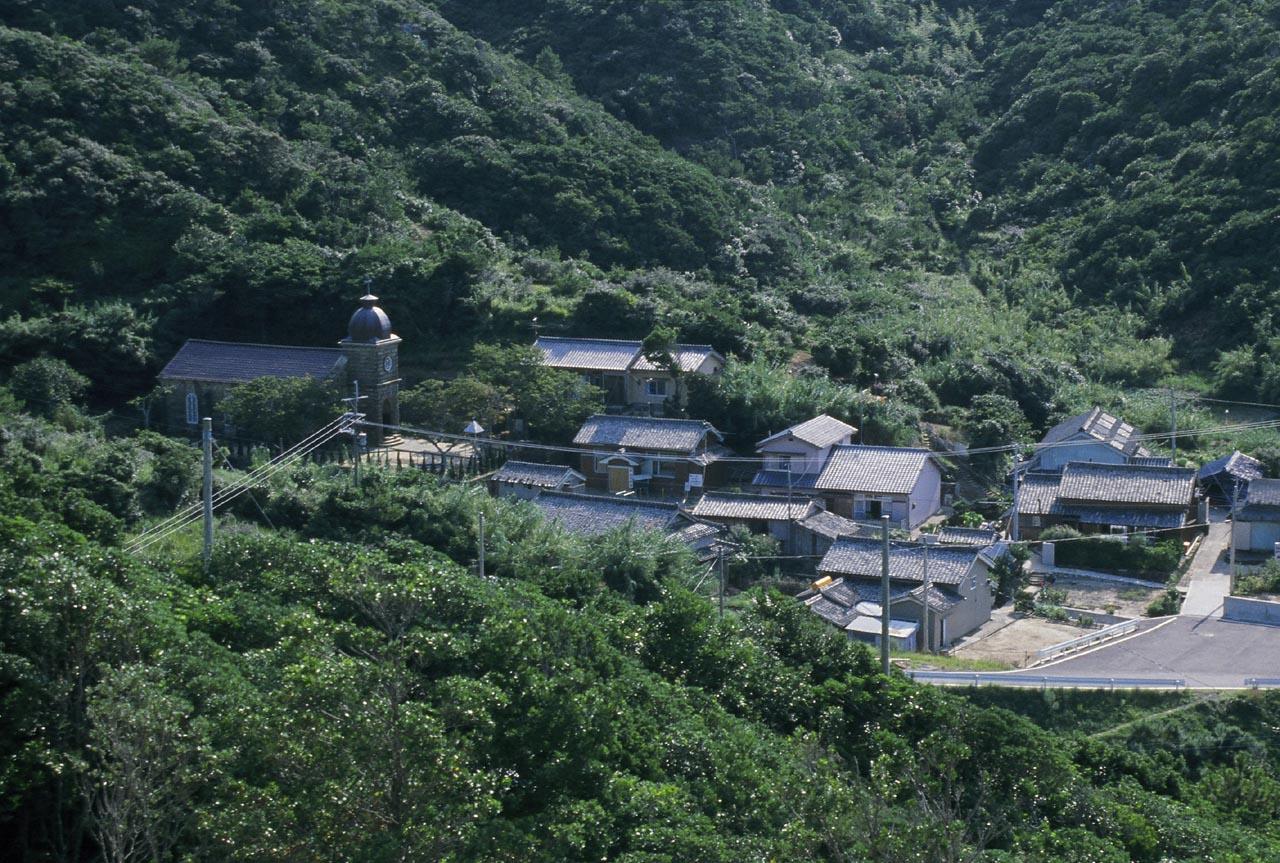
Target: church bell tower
x=373 y=359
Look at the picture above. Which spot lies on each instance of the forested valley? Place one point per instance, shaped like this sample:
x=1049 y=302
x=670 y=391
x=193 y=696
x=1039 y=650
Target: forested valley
x=971 y=218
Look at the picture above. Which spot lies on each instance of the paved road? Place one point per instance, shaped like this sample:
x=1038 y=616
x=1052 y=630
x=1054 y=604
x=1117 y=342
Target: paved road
x=1208 y=652
x=1209 y=576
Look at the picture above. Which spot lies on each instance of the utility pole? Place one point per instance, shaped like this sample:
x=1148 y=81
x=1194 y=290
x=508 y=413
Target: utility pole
x=720 y=564
x=206 y=445
x=1015 y=529
x=1173 y=425
x=482 y=545
x=884 y=594
x=1235 y=505
x=928 y=630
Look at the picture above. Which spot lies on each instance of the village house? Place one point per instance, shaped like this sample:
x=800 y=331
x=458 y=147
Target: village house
x=594 y=514
x=795 y=456
x=1093 y=436
x=628 y=378
x=657 y=456
x=816 y=533
x=1106 y=498
x=524 y=480
x=1222 y=479
x=977 y=537
x=865 y=483
x=1255 y=524
x=773 y=516
x=848 y=591
x=202 y=371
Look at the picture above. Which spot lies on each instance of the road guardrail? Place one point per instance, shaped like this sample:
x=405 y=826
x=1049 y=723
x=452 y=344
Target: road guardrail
x=1262 y=682
x=1113 y=631
x=1045 y=681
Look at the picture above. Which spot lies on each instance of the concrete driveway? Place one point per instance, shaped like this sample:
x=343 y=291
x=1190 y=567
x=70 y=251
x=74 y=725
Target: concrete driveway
x=1208 y=578
x=1207 y=652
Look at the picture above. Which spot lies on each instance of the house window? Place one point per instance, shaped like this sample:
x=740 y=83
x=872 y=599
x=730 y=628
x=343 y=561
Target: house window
x=656 y=387
x=663 y=468
x=193 y=409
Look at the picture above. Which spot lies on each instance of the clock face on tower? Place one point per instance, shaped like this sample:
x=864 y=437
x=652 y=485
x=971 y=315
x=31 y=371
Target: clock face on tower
x=387 y=363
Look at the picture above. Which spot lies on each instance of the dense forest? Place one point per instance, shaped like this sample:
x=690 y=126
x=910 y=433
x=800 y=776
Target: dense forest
x=970 y=218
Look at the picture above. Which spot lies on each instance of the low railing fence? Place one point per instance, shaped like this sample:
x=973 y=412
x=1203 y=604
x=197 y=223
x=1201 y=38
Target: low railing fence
x=1096 y=637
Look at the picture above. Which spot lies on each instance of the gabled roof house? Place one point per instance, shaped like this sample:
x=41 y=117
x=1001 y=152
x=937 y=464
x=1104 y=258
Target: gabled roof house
x=524 y=479
x=795 y=456
x=868 y=482
x=1092 y=436
x=658 y=455
x=1105 y=498
x=619 y=367
x=1255 y=524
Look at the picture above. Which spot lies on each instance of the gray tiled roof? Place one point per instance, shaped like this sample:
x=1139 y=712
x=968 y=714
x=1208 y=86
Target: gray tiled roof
x=1126 y=516
x=873 y=469
x=606 y=355
x=1152 y=461
x=839 y=602
x=1264 y=492
x=780 y=479
x=591 y=514
x=967 y=536
x=1084 y=482
x=689 y=357
x=720 y=504
x=1100 y=426
x=539 y=475
x=614 y=355
x=1237 y=464
x=830 y=525
x=239 y=362
x=645 y=433
x=821 y=431
x=861 y=557
x=1038 y=492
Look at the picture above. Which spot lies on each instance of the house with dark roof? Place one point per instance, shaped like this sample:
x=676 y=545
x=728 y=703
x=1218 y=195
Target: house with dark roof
x=658 y=456
x=524 y=480
x=1255 y=525
x=771 y=515
x=202 y=371
x=1093 y=436
x=958 y=593
x=620 y=368
x=795 y=456
x=1223 y=478
x=1106 y=498
x=865 y=483
x=595 y=514
x=977 y=537
x=816 y=533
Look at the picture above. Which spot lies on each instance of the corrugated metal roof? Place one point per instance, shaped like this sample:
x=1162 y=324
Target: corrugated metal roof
x=1100 y=426
x=861 y=557
x=539 y=475
x=645 y=433
x=606 y=355
x=873 y=469
x=590 y=514
x=720 y=504
x=821 y=431
x=615 y=355
x=1084 y=482
x=240 y=362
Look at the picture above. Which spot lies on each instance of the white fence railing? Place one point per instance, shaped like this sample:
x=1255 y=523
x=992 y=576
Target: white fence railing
x=1262 y=682
x=1044 y=681
x=1096 y=637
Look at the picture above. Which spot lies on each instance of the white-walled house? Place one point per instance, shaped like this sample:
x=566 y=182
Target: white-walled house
x=1256 y=524
x=795 y=456
x=865 y=483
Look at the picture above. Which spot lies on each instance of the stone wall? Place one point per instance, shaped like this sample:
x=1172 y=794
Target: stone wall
x=1248 y=610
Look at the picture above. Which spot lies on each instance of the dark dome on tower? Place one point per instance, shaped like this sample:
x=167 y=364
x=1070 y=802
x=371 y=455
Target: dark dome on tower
x=369 y=323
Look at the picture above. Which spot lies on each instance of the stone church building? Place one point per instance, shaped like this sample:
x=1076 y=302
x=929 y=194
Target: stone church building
x=202 y=371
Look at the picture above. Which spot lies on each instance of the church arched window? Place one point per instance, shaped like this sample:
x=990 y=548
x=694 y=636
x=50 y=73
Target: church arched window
x=193 y=409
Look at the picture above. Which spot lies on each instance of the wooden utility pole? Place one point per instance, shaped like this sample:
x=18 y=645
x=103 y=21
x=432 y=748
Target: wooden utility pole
x=720 y=563
x=1173 y=425
x=884 y=594
x=482 y=545
x=206 y=445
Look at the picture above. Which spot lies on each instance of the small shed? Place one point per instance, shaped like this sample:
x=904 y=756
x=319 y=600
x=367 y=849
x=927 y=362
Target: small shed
x=1221 y=479
x=522 y=479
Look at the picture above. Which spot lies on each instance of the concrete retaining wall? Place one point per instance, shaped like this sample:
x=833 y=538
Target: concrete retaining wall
x=1251 y=610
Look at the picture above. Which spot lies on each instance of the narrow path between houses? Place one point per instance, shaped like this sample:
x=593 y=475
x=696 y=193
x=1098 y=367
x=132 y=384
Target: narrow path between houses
x=1208 y=578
